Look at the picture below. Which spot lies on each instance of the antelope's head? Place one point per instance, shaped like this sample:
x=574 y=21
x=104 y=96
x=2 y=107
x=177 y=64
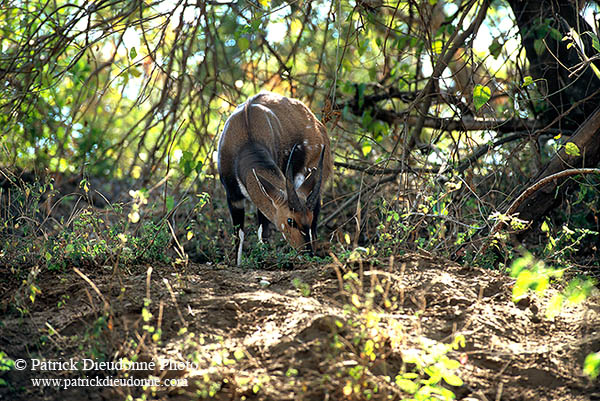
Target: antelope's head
x=293 y=212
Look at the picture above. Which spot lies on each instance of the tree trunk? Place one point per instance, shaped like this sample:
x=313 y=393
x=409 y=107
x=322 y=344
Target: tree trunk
x=570 y=97
x=552 y=63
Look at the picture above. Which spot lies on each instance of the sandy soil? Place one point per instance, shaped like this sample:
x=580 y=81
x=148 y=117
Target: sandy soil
x=268 y=334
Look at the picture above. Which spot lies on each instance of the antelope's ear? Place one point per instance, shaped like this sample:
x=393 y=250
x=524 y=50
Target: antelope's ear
x=312 y=183
x=309 y=182
x=276 y=195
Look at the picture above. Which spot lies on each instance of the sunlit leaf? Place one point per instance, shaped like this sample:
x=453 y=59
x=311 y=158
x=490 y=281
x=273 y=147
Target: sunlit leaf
x=366 y=148
x=295 y=26
x=238 y=354
x=481 y=94
x=595 y=70
x=134 y=217
x=437 y=46
x=453 y=380
x=524 y=281
x=355 y=300
x=591 y=365
x=572 y=150
x=406 y=385
x=527 y=81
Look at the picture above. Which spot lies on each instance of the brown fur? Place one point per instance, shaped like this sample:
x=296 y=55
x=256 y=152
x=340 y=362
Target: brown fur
x=254 y=151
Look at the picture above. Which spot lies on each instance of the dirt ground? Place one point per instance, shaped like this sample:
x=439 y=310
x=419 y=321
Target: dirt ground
x=267 y=334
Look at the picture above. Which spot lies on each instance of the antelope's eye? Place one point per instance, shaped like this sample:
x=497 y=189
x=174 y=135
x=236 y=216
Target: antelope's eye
x=290 y=221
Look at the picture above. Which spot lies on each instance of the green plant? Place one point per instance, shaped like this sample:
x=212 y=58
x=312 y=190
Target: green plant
x=301 y=286
x=562 y=247
x=534 y=275
x=275 y=253
x=5 y=364
x=591 y=365
x=368 y=339
x=431 y=359
x=95 y=342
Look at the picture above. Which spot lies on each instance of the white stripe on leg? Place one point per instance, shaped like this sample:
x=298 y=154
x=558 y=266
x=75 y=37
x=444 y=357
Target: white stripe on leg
x=239 y=253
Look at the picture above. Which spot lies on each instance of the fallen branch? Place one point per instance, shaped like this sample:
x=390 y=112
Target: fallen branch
x=530 y=191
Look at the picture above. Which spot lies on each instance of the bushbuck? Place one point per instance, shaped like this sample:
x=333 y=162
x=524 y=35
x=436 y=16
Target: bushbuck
x=274 y=152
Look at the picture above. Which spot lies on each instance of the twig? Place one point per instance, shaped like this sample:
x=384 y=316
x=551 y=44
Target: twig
x=355 y=196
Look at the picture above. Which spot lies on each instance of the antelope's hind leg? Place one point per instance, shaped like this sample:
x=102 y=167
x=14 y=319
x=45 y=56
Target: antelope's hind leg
x=237 y=218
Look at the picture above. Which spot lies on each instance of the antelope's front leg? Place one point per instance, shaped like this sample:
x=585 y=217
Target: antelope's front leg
x=264 y=226
x=313 y=227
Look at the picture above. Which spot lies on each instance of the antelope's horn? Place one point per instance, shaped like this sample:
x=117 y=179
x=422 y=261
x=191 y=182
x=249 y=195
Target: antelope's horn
x=315 y=195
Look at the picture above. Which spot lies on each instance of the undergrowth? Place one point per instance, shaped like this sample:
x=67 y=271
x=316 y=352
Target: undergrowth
x=370 y=354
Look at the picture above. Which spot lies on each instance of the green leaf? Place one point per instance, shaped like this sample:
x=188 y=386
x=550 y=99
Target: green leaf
x=243 y=43
x=453 y=380
x=170 y=203
x=366 y=148
x=132 y=53
x=495 y=48
x=199 y=166
x=572 y=150
x=555 y=34
x=539 y=46
x=135 y=72
x=527 y=81
x=407 y=386
x=186 y=162
x=595 y=42
x=360 y=89
x=595 y=69
x=437 y=46
x=591 y=365
x=481 y=94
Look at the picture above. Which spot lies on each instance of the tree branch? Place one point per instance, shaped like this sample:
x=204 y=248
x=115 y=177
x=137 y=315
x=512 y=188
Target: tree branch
x=455 y=42
x=530 y=191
